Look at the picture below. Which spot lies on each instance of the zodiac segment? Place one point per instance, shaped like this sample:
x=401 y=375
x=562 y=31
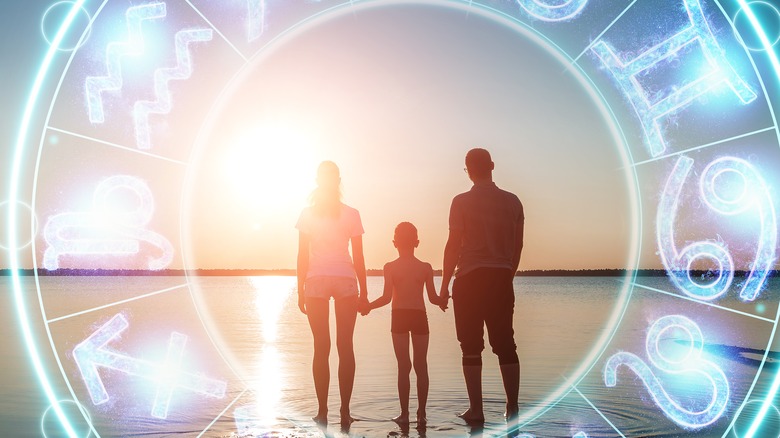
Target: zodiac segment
x=576 y=435
x=751 y=193
x=134 y=46
x=162 y=76
x=557 y=12
x=650 y=112
x=690 y=363
x=92 y=354
x=119 y=232
x=256 y=18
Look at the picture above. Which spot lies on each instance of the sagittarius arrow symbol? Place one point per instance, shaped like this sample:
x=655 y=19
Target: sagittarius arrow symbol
x=92 y=353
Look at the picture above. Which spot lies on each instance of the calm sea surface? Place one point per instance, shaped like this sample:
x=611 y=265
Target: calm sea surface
x=248 y=333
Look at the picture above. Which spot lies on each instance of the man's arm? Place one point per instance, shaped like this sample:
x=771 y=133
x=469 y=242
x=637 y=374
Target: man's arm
x=518 y=243
x=451 y=256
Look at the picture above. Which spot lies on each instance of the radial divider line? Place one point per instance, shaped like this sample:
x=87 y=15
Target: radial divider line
x=229 y=43
x=715 y=143
x=693 y=300
x=595 y=40
x=598 y=411
x=223 y=412
x=118 y=146
x=116 y=303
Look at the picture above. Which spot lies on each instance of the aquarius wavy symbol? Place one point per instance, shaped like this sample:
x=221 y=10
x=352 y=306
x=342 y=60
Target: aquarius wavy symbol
x=93 y=353
x=134 y=46
x=162 y=77
x=650 y=110
x=105 y=230
x=256 y=19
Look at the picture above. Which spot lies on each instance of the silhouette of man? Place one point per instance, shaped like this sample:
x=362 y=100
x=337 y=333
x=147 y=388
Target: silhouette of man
x=485 y=241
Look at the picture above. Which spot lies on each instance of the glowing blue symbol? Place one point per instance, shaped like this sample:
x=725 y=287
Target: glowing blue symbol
x=690 y=363
x=162 y=76
x=118 y=231
x=256 y=18
x=558 y=12
x=580 y=435
x=753 y=192
x=648 y=111
x=92 y=354
x=134 y=46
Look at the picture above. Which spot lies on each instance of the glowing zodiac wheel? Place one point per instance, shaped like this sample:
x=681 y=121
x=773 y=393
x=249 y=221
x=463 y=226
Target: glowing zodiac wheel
x=682 y=94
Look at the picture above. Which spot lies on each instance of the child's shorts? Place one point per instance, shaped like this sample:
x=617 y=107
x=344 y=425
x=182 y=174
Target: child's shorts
x=327 y=286
x=411 y=321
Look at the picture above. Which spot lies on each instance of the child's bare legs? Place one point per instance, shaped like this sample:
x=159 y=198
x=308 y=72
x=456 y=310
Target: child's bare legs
x=346 y=314
x=420 y=348
x=317 y=310
x=401 y=347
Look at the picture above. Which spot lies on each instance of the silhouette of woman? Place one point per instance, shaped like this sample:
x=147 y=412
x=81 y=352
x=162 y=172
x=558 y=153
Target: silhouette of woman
x=325 y=269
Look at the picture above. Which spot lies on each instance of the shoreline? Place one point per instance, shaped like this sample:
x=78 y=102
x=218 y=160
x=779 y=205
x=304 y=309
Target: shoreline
x=291 y=273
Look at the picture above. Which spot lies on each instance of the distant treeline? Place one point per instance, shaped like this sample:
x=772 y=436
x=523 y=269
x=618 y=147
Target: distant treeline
x=370 y=272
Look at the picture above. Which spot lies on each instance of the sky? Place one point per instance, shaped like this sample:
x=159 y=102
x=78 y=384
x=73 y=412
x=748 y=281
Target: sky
x=395 y=94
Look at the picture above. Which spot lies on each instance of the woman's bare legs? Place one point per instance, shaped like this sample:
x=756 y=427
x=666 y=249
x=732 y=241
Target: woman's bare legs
x=317 y=310
x=420 y=348
x=401 y=347
x=346 y=314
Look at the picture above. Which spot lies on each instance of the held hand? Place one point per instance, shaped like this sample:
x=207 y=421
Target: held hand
x=363 y=307
x=444 y=298
x=443 y=303
x=302 y=303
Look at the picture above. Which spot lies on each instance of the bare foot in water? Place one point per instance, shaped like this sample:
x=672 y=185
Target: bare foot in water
x=321 y=419
x=470 y=416
x=511 y=414
x=346 y=420
x=421 y=420
x=402 y=419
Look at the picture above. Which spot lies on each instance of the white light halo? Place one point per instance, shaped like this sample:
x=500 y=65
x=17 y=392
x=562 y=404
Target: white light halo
x=512 y=23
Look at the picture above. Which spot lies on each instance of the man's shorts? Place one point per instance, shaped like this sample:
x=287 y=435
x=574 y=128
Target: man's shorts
x=326 y=286
x=483 y=298
x=411 y=321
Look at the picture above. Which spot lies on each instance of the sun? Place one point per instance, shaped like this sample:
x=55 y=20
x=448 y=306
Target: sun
x=271 y=166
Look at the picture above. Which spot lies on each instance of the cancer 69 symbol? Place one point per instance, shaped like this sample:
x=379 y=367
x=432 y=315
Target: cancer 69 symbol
x=728 y=186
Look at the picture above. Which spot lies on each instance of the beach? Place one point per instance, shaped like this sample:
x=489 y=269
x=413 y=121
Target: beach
x=248 y=333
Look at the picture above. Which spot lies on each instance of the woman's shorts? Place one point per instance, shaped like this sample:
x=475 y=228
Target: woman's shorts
x=411 y=321
x=325 y=287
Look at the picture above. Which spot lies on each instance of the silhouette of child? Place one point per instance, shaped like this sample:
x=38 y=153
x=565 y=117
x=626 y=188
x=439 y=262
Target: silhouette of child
x=404 y=281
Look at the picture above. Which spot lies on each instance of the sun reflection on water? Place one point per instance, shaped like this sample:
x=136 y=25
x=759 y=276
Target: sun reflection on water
x=269 y=374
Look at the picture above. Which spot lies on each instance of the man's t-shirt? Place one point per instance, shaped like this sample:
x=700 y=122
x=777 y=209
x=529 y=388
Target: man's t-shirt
x=488 y=218
x=329 y=244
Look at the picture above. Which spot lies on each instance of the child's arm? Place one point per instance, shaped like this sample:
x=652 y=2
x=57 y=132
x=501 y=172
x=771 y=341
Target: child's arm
x=387 y=292
x=434 y=298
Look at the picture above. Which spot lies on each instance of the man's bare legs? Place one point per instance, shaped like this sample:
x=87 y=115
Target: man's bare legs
x=346 y=314
x=510 y=374
x=420 y=348
x=472 y=374
x=317 y=310
x=401 y=347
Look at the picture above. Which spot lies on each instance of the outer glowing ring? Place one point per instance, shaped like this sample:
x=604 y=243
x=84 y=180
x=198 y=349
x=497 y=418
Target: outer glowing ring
x=599 y=345
x=15 y=176
x=776 y=64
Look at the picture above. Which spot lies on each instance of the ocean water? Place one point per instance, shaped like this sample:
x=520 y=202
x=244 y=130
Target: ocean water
x=248 y=334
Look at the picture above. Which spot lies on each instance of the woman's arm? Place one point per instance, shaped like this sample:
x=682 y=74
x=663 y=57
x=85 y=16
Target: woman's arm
x=360 y=268
x=303 y=267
